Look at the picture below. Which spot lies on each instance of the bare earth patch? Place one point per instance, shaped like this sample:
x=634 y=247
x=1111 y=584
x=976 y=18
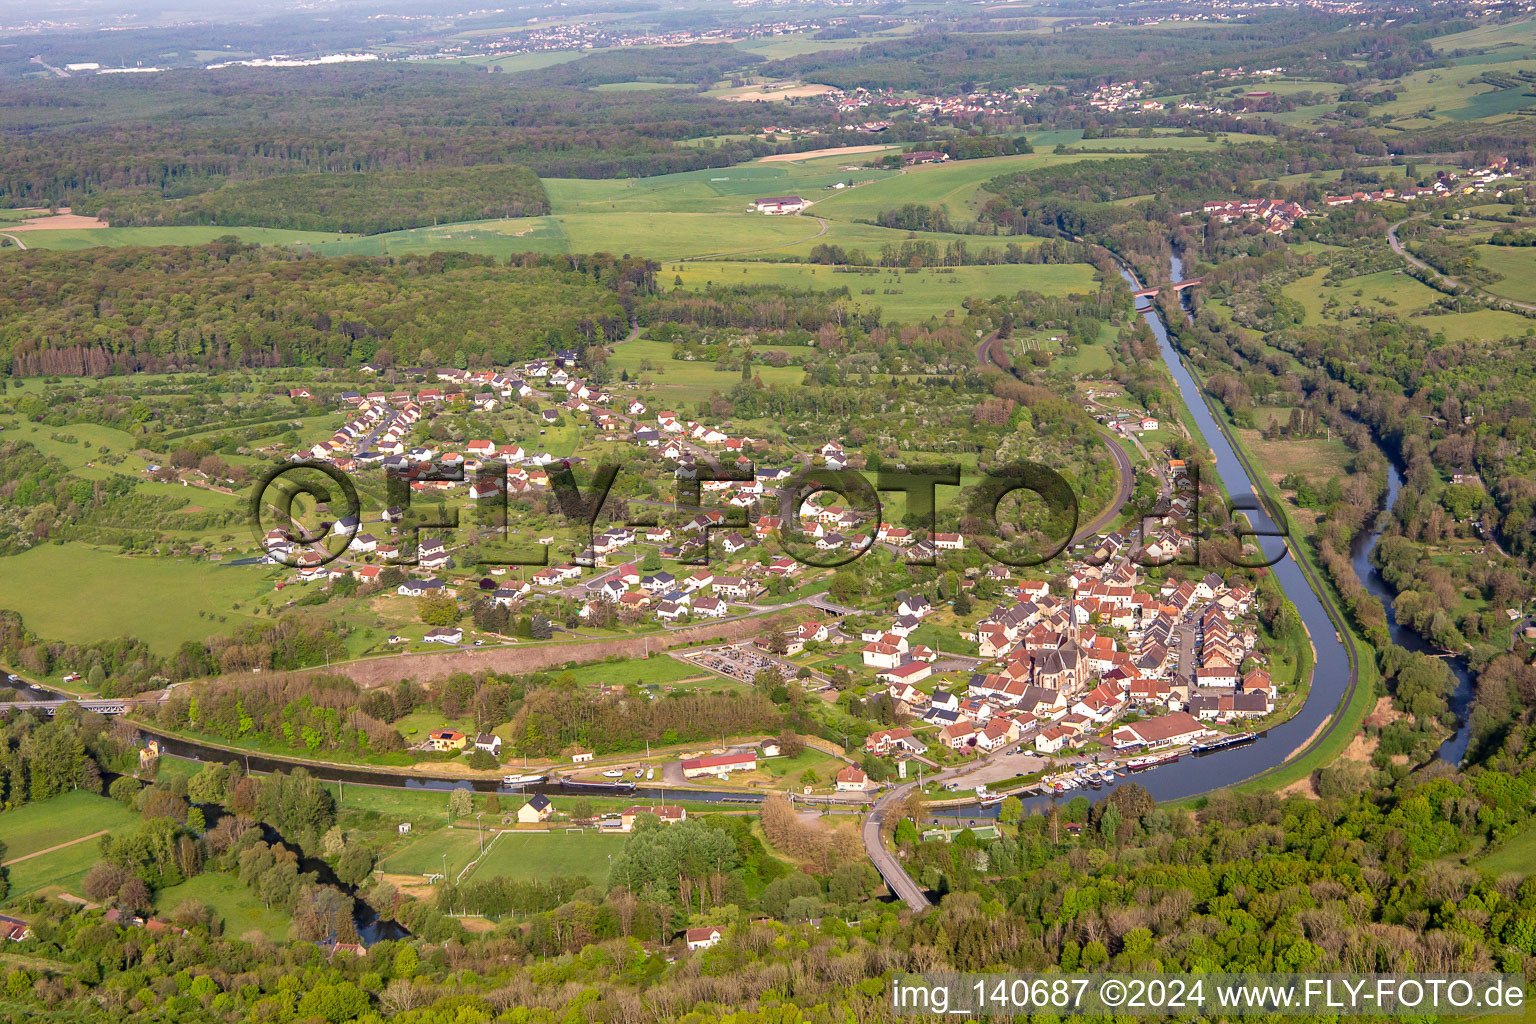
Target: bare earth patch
x=784 y=158
x=62 y=219
x=410 y=885
x=1360 y=748
x=1301 y=787
x=770 y=93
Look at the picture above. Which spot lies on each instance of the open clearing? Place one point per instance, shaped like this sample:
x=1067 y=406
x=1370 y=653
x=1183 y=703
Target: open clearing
x=62 y=219
x=778 y=91
x=234 y=903
x=1517 y=264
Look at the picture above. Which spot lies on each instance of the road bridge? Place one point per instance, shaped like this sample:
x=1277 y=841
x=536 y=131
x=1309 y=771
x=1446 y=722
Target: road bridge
x=1178 y=286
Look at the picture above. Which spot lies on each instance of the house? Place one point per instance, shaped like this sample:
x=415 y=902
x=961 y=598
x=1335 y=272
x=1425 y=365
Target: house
x=778 y=205
x=1053 y=739
x=537 y=809
x=811 y=631
x=890 y=740
x=1164 y=731
x=698 y=767
x=446 y=739
x=852 y=780
x=668 y=813
x=701 y=938
x=444 y=635
x=997 y=733
x=709 y=607
x=958 y=735
x=911 y=672
x=489 y=742
x=879 y=655
x=14 y=928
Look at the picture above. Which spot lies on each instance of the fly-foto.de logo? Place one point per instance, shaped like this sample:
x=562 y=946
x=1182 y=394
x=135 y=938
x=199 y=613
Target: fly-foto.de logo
x=309 y=513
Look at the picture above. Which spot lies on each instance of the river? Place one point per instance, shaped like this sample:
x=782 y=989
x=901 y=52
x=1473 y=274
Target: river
x=1331 y=683
x=1455 y=747
x=1332 y=679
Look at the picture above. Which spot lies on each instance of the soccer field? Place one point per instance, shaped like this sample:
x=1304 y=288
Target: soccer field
x=542 y=855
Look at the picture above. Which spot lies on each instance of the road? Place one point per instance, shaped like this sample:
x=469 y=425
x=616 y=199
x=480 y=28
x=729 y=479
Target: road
x=19 y=243
x=896 y=877
x=1413 y=260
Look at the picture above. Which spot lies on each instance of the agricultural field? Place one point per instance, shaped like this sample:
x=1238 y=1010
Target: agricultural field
x=899 y=295
x=29 y=830
x=88 y=238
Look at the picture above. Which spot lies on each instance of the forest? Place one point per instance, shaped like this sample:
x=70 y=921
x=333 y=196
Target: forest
x=946 y=59
x=227 y=305
x=359 y=203
x=64 y=140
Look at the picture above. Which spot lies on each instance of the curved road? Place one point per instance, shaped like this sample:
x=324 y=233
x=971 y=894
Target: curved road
x=901 y=883
x=19 y=243
x=1413 y=260
x=1123 y=465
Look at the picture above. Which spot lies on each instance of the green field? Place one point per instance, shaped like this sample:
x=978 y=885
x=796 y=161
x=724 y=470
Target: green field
x=87 y=238
x=899 y=295
x=431 y=851
x=76 y=593
x=658 y=670
x=1395 y=292
x=1516 y=855
x=676 y=381
x=233 y=901
x=538 y=855
x=64 y=819
x=1518 y=265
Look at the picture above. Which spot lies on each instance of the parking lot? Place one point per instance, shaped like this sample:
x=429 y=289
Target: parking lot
x=738 y=662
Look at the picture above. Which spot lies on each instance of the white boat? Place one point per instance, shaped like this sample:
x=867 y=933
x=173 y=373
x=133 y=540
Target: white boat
x=521 y=780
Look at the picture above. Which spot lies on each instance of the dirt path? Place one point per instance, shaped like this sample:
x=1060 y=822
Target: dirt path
x=52 y=849
x=18 y=242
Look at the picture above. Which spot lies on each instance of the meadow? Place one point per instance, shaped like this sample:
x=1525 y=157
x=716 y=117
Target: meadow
x=231 y=900
x=31 y=828
x=199 y=234
x=676 y=382
x=82 y=593
x=899 y=295
x=1518 y=265
x=1401 y=295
